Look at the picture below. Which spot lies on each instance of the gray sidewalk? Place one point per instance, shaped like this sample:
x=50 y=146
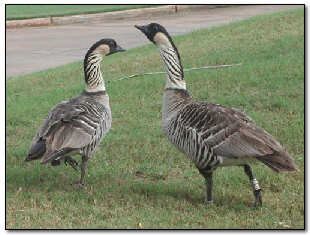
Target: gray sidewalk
x=33 y=49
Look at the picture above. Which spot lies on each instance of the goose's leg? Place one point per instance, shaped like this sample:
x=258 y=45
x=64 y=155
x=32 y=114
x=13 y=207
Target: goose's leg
x=83 y=168
x=209 y=184
x=256 y=189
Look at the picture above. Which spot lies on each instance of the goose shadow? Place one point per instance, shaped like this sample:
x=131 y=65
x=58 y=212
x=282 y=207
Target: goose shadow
x=50 y=178
x=196 y=198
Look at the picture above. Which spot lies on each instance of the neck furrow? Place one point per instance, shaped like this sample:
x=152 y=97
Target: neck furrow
x=93 y=76
x=173 y=67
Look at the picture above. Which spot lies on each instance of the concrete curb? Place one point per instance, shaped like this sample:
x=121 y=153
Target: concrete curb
x=107 y=16
x=114 y=15
x=28 y=23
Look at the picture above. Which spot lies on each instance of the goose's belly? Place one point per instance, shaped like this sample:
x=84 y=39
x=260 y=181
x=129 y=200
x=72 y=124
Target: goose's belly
x=194 y=154
x=229 y=161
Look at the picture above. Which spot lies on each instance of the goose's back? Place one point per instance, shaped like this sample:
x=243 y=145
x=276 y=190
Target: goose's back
x=77 y=123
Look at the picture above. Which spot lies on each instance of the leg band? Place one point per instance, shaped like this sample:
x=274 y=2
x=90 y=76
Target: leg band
x=255 y=184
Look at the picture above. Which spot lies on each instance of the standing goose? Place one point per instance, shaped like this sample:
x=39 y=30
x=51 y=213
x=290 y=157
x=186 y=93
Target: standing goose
x=77 y=125
x=211 y=135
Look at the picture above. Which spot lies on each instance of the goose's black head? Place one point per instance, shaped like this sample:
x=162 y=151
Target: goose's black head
x=105 y=47
x=150 y=30
x=157 y=34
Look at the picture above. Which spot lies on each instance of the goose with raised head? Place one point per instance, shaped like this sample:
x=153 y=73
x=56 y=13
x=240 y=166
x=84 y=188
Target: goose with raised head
x=211 y=135
x=78 y=125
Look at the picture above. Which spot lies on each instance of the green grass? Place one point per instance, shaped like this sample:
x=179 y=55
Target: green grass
x=16 y=12
x=137 y=176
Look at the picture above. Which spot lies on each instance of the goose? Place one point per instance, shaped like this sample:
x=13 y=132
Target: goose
x=211 y=135
x=77 y=125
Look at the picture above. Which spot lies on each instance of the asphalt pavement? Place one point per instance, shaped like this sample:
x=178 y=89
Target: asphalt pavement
x=32 y=49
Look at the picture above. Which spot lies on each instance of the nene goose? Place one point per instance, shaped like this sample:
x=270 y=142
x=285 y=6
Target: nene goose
x=77 y=125
x=211 y=135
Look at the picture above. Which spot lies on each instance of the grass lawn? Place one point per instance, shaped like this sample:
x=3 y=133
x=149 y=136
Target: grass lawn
x=14 y=12
x=137 y=176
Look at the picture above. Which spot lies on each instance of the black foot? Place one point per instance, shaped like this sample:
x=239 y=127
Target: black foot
x=258 y=198
x=71 y=162
x=55 y=163
x=79 y=185
x=208 y=202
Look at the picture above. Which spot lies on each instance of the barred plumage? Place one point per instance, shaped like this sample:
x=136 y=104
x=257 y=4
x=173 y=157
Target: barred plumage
x=211 y=135
x=77 y=125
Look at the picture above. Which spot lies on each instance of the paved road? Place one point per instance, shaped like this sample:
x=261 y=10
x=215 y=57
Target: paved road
x=33 y=49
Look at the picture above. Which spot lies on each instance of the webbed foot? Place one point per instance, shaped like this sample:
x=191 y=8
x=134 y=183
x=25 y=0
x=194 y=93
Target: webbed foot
x=258 y=198
x=208 y=202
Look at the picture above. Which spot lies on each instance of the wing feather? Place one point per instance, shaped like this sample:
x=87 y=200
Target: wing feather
x=71 y=124
x=229 y=131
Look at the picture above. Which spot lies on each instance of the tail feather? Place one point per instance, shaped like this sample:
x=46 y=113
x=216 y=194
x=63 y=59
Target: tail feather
x=279 y=162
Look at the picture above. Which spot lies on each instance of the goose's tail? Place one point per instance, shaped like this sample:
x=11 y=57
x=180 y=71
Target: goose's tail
x=279 y=162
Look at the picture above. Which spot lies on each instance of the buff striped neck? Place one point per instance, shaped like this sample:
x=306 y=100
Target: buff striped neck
x=171 y=60
x=93 y=76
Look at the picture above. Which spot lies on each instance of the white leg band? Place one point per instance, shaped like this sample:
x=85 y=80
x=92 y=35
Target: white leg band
x=255 y=184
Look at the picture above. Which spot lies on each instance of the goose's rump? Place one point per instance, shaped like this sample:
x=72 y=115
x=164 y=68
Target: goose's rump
x=69 y=126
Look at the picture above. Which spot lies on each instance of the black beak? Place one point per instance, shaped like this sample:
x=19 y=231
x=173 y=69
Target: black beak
x=118 y=48
x=142 y=28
